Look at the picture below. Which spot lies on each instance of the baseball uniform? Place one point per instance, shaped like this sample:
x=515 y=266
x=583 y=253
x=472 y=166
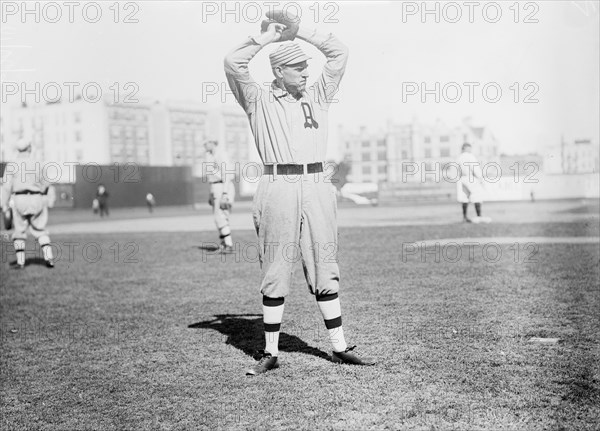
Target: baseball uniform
x=294 y=207
x=469 y=187
x=221 y=187
x=24 y=181
x=293 y=215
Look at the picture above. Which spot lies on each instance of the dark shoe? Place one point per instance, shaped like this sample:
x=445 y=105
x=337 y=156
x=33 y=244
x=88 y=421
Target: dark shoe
x=347 y=357
x=467 y=220
x=50 y=263
x=265 y=363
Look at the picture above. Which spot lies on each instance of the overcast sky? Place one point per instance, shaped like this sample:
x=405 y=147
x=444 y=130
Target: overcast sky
x=176 y=50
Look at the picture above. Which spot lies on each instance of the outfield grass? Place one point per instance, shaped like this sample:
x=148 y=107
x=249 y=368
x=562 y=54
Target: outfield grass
x=157 y=333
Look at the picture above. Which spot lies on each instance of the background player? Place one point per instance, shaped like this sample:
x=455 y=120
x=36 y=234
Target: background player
x=470 y=186
x=32 y=195
x=222 y=191
x=294 y=205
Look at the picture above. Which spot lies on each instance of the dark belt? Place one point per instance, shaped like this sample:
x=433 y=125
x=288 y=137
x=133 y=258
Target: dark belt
x=217 y=182
x=289 y=169
x=28 y=192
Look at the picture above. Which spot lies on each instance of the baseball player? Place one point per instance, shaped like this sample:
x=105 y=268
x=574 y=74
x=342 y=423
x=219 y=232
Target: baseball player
x=469 y=187
x=294 y=207
x=32 y=196
x=222 y=191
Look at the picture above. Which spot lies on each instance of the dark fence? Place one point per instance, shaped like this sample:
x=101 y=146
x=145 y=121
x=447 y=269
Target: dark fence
x=127 y=184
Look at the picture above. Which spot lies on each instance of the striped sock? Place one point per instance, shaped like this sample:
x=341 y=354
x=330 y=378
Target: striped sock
x=44 y=241
x=20 y=251
x=332 y=314
x=225 y=235
x=272 y=316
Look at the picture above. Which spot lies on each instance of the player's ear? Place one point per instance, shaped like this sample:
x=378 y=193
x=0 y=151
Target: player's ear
x=277 y=72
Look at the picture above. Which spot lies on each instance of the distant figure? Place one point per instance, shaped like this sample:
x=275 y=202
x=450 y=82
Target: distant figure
x=532 y=196
x=102 y=197
x=150 y=201
x=470 y=186
x=32 y=195
x=222 y=191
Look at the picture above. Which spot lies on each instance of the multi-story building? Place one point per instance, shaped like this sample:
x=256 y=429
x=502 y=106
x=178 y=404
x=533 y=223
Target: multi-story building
x=383 y=156
x=579 y=156
x=146 y=132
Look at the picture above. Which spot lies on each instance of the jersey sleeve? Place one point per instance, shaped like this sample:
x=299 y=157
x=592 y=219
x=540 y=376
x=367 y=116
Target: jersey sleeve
x=245 y=89
x=336 y=53
x=6 y=186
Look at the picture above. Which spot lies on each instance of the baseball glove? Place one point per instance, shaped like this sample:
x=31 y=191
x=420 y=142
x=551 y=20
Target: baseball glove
x=225 y=204
x=291 y=22
x=7 y=215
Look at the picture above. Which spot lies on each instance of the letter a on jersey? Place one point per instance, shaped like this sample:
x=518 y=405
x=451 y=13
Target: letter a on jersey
x=309 y=121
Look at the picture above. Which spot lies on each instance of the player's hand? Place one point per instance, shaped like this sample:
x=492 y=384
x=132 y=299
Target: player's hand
x=271 y=34
x=287 y=18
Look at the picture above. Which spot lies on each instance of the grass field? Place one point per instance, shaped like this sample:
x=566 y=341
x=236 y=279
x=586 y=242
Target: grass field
x=149 y=331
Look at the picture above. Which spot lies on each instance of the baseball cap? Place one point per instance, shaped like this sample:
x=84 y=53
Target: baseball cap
x=287 y=53
x=23 y=144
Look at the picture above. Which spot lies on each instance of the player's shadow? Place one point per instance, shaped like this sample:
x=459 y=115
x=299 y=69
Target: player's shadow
x=246 y=333
x=31 y=261
x=208 y=246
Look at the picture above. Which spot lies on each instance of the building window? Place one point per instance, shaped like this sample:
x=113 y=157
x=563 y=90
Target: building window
x=366 y=144
x=427 y=139
x=445 y=152
x=78 y=136
x=427 y=153
x=404 y=154
x=366 y=170
x=382 y=169
x=382 y=155
x=444 y=138
x=77 y=117
x=366 y=157
x=381 y=143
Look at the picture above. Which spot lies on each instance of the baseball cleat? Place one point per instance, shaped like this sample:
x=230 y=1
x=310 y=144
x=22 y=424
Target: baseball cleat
x=265 y=363
x=347 y=357
x=50 y=263
x=467 y=220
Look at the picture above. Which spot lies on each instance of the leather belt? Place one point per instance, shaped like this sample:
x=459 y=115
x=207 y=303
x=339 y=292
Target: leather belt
x=28 y=192
x=292 y=169
x=217 y=182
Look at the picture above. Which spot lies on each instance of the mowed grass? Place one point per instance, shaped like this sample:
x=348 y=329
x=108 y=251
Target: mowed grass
x=156 y=333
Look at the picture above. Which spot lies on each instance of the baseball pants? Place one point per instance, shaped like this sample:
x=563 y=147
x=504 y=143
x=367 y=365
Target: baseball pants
x=29 y=211
x=469 y=191
x=221 y=216
x=295 y=219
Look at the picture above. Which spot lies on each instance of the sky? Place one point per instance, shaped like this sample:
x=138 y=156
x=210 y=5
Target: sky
x=175 y=50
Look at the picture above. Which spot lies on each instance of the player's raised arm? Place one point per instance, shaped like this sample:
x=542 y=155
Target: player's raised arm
x=333 y=49
x=244 y=87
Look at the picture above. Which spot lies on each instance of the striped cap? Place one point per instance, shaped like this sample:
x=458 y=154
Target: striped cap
x=287 y=53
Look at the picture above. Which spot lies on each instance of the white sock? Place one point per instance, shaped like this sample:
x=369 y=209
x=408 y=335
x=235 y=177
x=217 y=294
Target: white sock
x=46 y=247
x=272 y=316
x=20 y=251
x=332 y=314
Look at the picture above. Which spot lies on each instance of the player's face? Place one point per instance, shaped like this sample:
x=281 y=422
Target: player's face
x=294 y=77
